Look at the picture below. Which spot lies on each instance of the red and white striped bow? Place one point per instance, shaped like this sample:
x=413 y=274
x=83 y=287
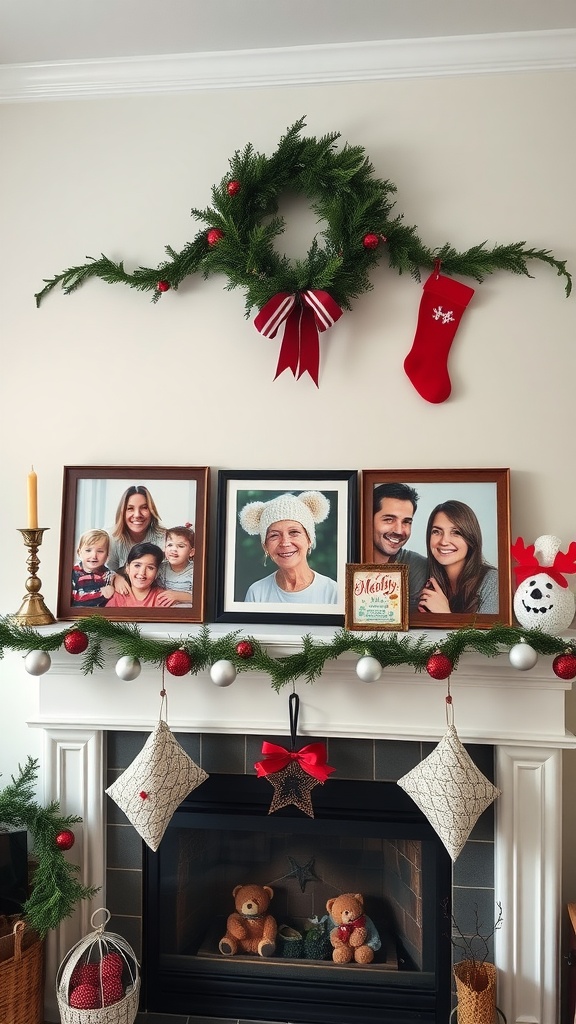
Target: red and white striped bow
x=305 y=315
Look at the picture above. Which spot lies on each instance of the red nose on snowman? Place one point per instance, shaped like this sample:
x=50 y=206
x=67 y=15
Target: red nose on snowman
x=543 y=599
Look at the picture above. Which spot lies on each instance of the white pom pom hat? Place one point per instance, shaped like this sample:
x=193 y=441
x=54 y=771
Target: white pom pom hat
x=308 y=508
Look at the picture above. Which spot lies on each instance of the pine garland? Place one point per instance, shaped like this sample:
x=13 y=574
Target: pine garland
x=390 y=649
x=343 y=192
x=55 y=888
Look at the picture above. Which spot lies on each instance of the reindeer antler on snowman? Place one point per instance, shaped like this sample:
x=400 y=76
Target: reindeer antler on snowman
x=543 y=599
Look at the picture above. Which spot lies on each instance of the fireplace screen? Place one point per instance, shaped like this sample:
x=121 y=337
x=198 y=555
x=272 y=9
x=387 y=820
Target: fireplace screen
x=366 y=838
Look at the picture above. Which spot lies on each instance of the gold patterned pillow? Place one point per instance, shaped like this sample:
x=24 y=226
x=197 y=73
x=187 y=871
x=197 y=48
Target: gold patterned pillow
x=450 y=790
x=154 y=785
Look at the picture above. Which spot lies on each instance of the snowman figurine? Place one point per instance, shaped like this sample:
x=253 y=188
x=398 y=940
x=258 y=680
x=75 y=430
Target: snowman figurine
x=543 y=599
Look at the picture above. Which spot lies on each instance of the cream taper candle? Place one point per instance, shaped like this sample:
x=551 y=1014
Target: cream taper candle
x=32 y=500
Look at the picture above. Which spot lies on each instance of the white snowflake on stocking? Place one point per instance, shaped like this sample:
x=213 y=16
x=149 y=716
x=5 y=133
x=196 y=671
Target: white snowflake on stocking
x=446 y=316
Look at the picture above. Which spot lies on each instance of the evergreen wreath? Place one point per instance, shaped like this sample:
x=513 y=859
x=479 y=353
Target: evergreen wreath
x=202 y=651
x=356 y=206
x=55 y=888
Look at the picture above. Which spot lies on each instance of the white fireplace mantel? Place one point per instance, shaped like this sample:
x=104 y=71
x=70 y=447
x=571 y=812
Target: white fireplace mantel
x=521 y=713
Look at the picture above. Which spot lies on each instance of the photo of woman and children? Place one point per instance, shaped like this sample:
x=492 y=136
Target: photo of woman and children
x=135 y=560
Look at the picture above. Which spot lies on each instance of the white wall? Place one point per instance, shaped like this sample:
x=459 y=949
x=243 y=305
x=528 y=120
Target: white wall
x=104 y=377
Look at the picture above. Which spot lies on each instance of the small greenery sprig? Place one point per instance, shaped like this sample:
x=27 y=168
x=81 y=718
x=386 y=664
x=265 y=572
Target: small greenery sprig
x=242 y=224
x=55 y=887
x=308 y=663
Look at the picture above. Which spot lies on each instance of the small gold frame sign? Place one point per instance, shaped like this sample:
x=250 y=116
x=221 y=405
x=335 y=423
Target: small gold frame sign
x=376 y=596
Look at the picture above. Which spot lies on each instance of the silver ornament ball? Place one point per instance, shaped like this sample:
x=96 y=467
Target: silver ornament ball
x=223 y=672
x=37 y=662
x=368 y=669
x=522 y=656
x=128 y=668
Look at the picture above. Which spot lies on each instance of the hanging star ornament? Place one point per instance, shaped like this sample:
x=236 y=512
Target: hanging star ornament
x=293 y=773
x=303 y=872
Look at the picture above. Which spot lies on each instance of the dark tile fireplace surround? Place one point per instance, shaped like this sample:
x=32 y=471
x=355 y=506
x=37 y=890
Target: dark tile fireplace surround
x=362 y=760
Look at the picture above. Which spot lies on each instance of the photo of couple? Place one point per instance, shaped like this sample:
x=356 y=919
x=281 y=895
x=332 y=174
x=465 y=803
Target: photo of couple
x=126 y=554
x=449 y=534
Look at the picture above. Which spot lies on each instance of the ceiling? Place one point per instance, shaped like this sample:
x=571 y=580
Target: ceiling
x=50 y=31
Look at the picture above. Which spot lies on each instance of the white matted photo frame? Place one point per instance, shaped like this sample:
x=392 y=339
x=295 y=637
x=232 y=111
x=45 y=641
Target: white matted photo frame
x=451 y=527
x=376 y=597
x=304 y=523
x=133 y=543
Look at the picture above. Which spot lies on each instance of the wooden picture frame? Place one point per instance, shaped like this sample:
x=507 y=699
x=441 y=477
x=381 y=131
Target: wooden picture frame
x=246 y=590
x=100 y=502
x=376 y=597
x=480 y=501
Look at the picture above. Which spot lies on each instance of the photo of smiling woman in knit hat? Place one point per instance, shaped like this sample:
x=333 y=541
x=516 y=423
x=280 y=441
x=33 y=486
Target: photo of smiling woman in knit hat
x=286 y=526
x=286 y=546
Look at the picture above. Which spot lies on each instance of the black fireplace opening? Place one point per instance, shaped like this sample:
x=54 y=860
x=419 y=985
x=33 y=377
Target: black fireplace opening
x=365 y=837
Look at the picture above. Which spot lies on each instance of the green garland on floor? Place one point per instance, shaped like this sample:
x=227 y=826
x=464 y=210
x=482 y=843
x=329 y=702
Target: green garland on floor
x=390 y=649
x=242 y=224
x=55 y=887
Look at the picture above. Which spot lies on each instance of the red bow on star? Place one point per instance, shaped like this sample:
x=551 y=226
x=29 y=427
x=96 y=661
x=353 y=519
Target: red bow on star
x=311 y=758
x=304 y=315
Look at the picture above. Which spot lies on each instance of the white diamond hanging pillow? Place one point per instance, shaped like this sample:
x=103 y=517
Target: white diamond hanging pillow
x=450 y=791
x=156 y=782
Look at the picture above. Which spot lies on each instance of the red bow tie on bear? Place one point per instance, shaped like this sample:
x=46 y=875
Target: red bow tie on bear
x=345 y=930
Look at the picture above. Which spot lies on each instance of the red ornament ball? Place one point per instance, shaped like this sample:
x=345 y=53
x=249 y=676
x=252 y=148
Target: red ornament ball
x=85 y=997
x=112 y=991
x=565 y=666
x=244 y=649
x=371 y=241
x=439 y=666
x=112 y=965
x=233 y=188
x=65 y=840
x=163 y=286
x=178 y=663
x=214 y=236
x=75 y=641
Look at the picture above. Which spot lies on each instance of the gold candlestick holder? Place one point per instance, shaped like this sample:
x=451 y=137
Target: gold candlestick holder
x=33 y=611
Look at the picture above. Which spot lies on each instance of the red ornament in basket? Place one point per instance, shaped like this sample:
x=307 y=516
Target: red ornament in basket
x=100 y=974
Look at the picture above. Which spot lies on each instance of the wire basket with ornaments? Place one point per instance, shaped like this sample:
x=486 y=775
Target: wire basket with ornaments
x=98 y=981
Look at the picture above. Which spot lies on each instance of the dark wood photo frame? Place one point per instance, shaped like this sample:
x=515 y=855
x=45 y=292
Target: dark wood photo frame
x=97 y=499
x=240 y=555
x=376 y=597
x=479 y=499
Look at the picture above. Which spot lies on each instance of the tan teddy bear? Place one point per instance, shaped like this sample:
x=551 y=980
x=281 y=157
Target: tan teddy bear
x=349 y=936
x=250 y=929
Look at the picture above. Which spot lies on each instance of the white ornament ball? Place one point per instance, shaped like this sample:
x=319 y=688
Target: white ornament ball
x=368 y=669
x=223 y=672
x=522 y=656
x=128 y=668
x=37 y=662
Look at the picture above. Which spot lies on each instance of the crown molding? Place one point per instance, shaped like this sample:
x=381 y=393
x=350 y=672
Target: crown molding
x=296 y=65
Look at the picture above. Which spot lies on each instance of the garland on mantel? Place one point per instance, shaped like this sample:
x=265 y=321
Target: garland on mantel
x=195 y=653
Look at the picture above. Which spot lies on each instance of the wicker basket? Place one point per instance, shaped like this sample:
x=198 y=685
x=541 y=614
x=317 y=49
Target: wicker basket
x=21 y=979
x=82 y=966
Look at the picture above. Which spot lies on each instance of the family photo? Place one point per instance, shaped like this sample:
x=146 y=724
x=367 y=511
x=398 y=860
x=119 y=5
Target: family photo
x=133 y=543
x=284 y=540
x=451 y=529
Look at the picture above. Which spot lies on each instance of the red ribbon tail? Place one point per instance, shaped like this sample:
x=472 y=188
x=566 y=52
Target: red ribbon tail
x=290 y=347
x=309 y=345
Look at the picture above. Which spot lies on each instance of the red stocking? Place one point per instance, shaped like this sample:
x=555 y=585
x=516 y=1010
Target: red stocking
x=441 y=308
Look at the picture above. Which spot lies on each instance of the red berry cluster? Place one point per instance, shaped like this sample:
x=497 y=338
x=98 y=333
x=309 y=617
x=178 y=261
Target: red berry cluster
x=93 y=985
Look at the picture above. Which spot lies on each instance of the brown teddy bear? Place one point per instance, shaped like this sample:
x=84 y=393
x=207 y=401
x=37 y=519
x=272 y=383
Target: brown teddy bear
x=349 y=936
x=250 y=929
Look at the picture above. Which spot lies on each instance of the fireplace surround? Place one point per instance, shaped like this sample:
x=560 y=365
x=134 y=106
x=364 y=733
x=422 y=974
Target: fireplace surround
x=518 y=714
